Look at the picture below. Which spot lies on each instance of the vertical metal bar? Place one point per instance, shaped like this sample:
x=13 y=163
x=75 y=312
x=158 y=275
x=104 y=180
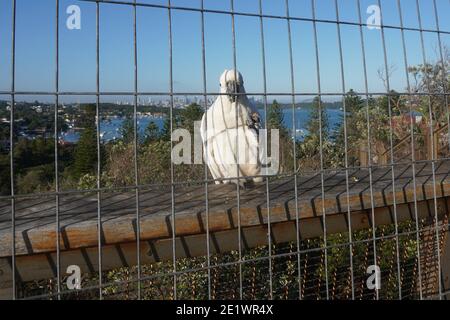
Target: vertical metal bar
x=313 y=7
x=413 y=155
x=205 y=96
x=58 y=244
x=347 y=188
x=366 y=87
x=263 y=57
x=11 y=149
x=433 y=160
x=294 y=150
x=97 y=122
x=172 y=185
x=238 y=191
x=444 y=81
x=136 y=145
x=444 y=71
x=391 y=142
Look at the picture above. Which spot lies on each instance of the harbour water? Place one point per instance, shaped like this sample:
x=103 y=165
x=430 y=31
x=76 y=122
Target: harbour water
x=111 y=128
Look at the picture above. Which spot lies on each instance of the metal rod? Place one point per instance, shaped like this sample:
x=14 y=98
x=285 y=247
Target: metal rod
x=347 y=187
x=269 y=235
x=444 y=68
x=56 y=139
x=205 y=96
x=433 y=158
x=391 y=142
x=172 y=185
x=97 y=122
x=366 y=86
x=413 y=157
x=11 y=151
x=156 y=93
x=319 y=95
x=444 y=80
x=238 y=191
x=135 y=156
x=294 y=150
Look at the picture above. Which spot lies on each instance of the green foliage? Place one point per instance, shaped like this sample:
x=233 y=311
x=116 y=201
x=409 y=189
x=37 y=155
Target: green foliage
x=152 y=133
x=275 y=120
x=127 y=130
x=432 y=78
x=5 y=175
x=87 y=181
x=348 y=128
x=33 y=164
x=189 y=115
x=275 y=117
x=35 y=179
x=85 y=157
x=31 y=153
x=309 y=148
x=318 y=121
x=394 y=102
x=166 y=132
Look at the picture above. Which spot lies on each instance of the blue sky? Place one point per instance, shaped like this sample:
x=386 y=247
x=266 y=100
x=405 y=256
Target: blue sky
x=35 y=46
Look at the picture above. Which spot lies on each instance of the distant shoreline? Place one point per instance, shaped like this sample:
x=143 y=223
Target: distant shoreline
x=162 y=108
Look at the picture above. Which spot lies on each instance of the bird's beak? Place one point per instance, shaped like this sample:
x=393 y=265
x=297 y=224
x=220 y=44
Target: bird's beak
x=232 y=89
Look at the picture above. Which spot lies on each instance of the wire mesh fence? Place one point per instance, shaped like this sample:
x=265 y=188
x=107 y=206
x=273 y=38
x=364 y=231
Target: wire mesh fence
x=371 y=191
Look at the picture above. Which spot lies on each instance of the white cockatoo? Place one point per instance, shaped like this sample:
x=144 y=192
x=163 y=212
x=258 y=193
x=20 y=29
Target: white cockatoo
x=230 y=133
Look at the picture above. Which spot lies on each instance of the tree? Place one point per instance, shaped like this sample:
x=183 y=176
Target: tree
x=354 y=107
x=353 y=103
x=318 y=120
x=309 y=148
x=86 y=150
x=275 y=119
x=35 y=179
x=151 y=132
x=166 y=133
x=396 y=103
x=5 y=175
x=432 y=78
x=127 y=130
x=189 y=115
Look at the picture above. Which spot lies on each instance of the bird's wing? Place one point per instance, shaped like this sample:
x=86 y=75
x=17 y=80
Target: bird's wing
x=251 y=115
x=207 y=134
x=213 y=160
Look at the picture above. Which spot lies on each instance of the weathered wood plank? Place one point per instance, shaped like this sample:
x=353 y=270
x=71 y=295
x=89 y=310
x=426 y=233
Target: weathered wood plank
x=43 y=266
x=36 y=227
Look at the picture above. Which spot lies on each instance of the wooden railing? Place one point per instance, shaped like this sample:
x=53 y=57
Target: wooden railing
x=36 y=236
